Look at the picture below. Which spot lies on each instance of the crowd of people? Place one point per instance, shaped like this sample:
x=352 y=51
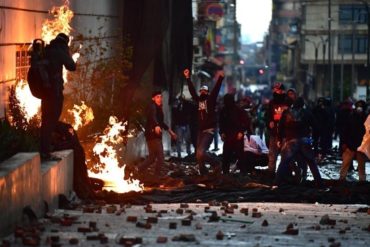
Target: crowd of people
x=255 y=134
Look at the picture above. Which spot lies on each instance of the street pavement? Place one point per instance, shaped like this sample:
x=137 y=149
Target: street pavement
x=200 y=224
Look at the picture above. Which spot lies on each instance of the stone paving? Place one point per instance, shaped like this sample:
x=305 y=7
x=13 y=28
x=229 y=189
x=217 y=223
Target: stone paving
x=200 y=224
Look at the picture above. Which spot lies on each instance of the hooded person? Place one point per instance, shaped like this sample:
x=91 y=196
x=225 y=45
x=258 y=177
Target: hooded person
x=58 y=55
x=276 y=106
x=233 y=122
x=352 y=139
x=207 y=120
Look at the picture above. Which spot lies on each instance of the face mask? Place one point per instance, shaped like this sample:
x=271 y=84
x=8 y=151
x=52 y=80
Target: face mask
x=203 y=97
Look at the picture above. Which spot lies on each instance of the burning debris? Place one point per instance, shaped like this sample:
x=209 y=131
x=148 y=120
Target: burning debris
x=106 y=149
x=82 y=115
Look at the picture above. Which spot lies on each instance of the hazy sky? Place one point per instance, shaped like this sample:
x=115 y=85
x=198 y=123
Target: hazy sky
x=254 y=17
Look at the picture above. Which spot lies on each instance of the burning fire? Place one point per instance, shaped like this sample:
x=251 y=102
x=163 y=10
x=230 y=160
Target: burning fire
x=112 y=174
x=29 y=104
x=60 y=24
x=50 y=28
x=83 y=115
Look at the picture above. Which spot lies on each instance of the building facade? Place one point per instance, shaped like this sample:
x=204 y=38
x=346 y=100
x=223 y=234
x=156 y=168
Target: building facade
x=335 y=49
x=21 y=22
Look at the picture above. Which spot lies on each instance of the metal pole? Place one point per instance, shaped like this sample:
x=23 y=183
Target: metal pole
x=330 y=50
x=341 y=68
x=324 y=68
x=368 y=48
x=353 y=59
x=315 y=74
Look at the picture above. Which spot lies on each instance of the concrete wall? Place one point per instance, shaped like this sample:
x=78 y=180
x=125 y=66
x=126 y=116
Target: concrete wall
x=24 y=181
x=21 y=21
x=20 y=179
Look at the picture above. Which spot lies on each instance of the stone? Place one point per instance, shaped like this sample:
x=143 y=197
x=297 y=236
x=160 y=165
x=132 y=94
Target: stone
x=152 y=220
x=143 y=225
x=256 y=214
x=162 y=240
x=111 y=209
x=325 y=220
x=186 y=222
x=265 y=223
x=184 y=238
x=220 y=235
x=132 y=219
x=172 y=225
x=244 y=211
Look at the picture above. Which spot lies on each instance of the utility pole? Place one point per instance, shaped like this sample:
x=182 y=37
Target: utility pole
x=368 y=48
x=330 y=51
x=235 y=35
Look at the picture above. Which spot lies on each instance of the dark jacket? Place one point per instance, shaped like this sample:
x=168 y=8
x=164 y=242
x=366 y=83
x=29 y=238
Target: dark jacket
x=354 y=130
x=274 y=112
x=155 y=118
x=181 y=113
x=233 y=120
x=296 y=123
x=207 y=117
x=57 y=52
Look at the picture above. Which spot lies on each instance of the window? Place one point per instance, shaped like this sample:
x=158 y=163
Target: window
x=345 y=44
x=22 y=62
x=352 y=12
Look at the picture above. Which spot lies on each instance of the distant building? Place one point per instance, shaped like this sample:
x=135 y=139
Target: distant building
x=347 y=73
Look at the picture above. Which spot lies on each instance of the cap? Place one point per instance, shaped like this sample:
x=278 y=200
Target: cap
x=291 y=90
x=204 y=87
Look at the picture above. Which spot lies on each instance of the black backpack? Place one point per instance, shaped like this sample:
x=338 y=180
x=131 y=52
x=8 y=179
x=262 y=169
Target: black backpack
x=38 y=76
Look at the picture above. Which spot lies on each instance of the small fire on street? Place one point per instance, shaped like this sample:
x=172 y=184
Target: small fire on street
x=106 y=149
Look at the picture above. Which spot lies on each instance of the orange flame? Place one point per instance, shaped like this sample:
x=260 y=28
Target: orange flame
x=29 y=104
x=60 y=24
x=50 y=28
x=83 y=115
x=112 y=174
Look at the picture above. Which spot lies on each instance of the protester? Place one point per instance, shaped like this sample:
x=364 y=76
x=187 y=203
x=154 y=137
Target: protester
x=364 y=151
x=153 y=134
x=294 y=131
x=57 y=53
x=352 y=138
x=180 y=120
x=233 y=122
x=323 y=136
x=273 y=114
x=206 y=121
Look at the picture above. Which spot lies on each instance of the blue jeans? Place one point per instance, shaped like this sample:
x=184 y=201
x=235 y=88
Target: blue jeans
x=203 y=142
x=292 y=149
x=183 y=135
